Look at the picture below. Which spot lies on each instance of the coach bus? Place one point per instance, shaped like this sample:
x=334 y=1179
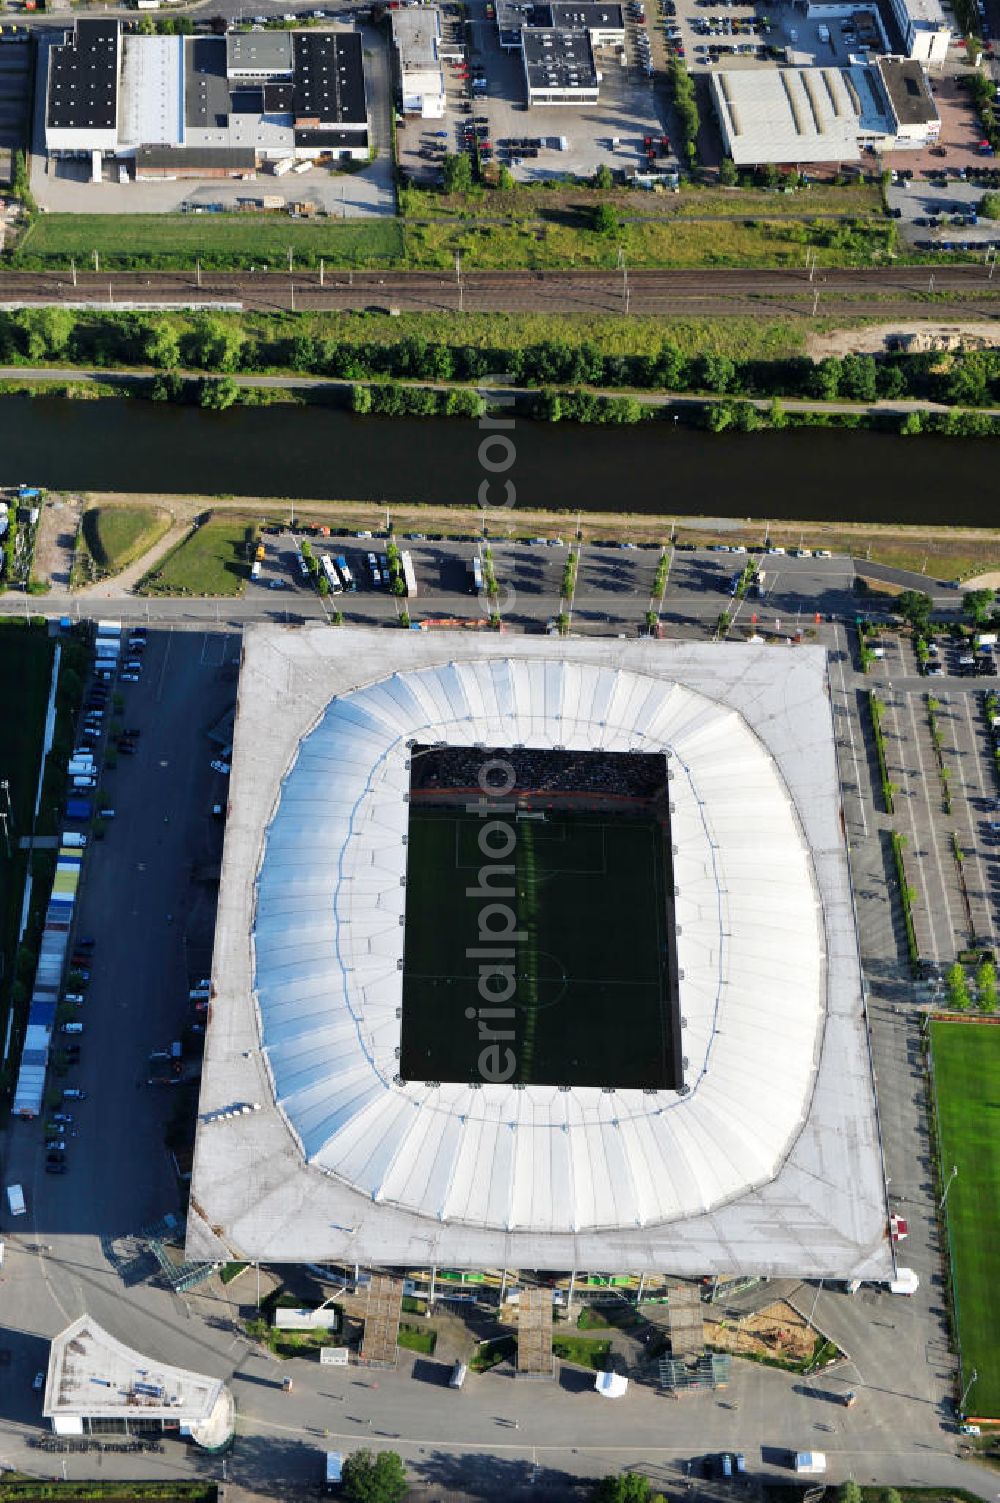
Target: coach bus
x=409 y=577
x=350 y=583
x=326 y=562
x=477 y=574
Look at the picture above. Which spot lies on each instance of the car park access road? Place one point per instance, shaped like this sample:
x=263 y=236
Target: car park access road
x=899 y=290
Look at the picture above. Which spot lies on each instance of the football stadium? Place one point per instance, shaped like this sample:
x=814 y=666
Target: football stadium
x=537 y=955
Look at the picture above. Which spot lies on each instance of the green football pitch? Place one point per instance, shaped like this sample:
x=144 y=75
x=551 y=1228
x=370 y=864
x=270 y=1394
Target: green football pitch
x=967 y=1089
x=593 y=997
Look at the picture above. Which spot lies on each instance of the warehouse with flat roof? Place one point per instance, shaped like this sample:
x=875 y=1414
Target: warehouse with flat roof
x=805 y=115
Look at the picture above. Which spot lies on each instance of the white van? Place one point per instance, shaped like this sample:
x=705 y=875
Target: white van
x=80 y=780
x=71 y=839
x=458 y=1375
x=15 y=1200
x=72 y=1028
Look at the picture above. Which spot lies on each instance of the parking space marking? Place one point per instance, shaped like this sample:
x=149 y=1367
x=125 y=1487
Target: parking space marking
x=975 y=842
x=945 y=907
x=848 y=712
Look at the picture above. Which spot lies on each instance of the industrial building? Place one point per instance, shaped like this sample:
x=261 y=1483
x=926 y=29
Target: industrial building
x=312 y=1146
x=96 y=1385
x=558 y=42
x=806 y=115
x=205 y=106
x=924 y=30
x=416 y=42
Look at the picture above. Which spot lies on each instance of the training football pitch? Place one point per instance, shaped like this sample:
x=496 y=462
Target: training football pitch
x=967 y=1088
x=594 y=994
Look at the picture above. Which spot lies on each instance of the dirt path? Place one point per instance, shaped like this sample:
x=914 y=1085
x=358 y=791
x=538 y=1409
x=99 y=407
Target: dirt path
x=57 y=530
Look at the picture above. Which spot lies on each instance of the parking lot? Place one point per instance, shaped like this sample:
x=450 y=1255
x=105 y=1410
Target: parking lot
x=611 y=132
x=147 y=902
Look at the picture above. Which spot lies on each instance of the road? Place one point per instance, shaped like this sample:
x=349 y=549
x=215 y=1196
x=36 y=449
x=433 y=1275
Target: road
x=959 y=291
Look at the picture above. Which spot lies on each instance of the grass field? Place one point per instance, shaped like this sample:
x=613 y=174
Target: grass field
x=25 y=675
x=214 y=559
x=114 y=536
x=535 y=202
x=760 y=338
x=217 y=240
x=591 y=1000
x=967 y=1084
x=676 y=243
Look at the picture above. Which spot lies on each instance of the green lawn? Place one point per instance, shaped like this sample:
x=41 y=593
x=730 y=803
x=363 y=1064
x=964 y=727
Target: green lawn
x=967 y=1080
x=583 y=1352
x=214 y=559
x=217 y=240
x=115 y=536
x=416 y=1339
x=25 y=673
x=579 y=879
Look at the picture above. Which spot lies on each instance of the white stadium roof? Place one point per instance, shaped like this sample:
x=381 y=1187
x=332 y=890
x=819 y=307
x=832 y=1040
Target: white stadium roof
x=341 y=1158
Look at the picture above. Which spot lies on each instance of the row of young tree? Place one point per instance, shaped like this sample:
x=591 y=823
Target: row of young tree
x=218 y=344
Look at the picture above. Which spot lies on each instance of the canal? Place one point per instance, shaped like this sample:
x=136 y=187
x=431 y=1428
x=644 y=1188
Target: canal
x=320 y=453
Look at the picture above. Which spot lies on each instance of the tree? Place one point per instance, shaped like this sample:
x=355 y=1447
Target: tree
x=849 y=1492
x=219 y=394
x=915 y=607
x=630 y=1487
x=728 y=177
x=913 y=423
x=603 y=178
x=361 y=398
x=505 y=178
x=374 y=1479
x=986 y=986
x=976 y=605
x=322 y=584
x=456 y=172
x=605 y=220
x=957 y=988
x=160 y=345
x=825 y=382
x=989 y=206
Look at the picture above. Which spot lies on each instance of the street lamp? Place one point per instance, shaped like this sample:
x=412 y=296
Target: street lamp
x=972 y=1378
x=951 y=1180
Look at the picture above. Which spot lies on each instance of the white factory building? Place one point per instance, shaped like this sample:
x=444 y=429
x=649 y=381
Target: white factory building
x=805 y=115
x=205 y=106
x=416 y=41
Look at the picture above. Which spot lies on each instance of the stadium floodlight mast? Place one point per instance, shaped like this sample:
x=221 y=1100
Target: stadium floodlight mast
x=973 y=1376
x=951 y=1180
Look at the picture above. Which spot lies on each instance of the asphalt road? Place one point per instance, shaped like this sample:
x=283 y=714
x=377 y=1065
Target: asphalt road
x=899 y=290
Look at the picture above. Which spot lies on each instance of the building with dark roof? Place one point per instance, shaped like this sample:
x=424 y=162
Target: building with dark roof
x=910 y=99
x=559 y=66
x=328 y=79
x=81 y=100
x=206 y=106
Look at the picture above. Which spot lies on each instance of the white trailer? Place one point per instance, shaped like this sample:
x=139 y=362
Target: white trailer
x=409 y=576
